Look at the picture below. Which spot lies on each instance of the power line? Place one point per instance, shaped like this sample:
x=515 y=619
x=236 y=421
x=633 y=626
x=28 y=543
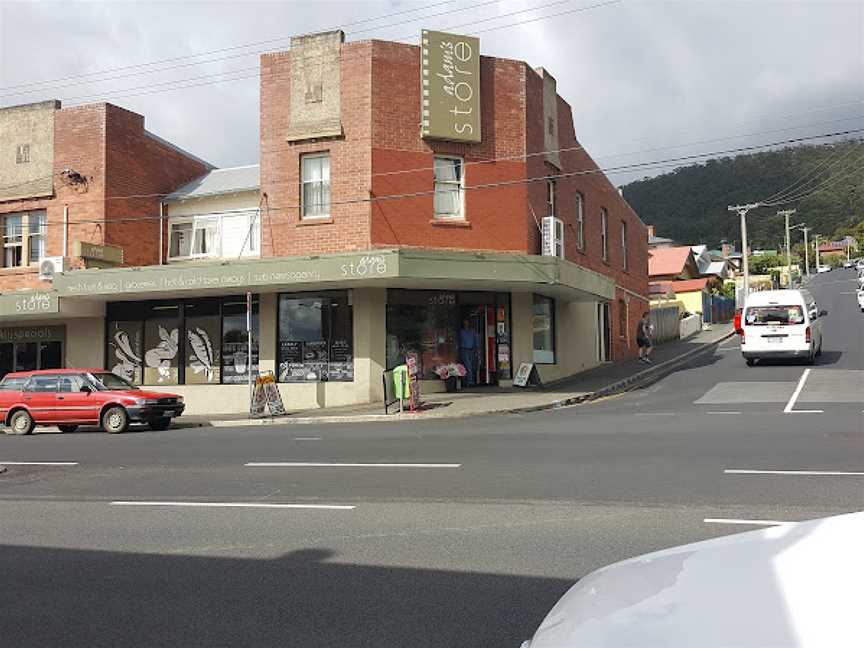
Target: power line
x=827 y=182
x=493 y=185
x=217 y=51
x=406 y=37
x=815 y=173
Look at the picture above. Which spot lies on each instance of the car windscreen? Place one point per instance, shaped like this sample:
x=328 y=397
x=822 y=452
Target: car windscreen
x=774 y=315
x=107 y=381
x=12 y=384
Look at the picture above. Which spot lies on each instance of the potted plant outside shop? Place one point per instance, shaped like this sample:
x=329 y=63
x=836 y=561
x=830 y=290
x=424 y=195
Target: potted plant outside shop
x=450 y=374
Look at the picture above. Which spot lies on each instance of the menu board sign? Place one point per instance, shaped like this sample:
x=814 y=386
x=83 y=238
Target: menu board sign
x=341 y=366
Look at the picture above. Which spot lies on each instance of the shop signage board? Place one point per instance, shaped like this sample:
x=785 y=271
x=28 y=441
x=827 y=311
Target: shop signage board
x=413 y=364
x=94 y=252
x=266 y=397
x=450 y=86
x=29 y=303
x=32 y=333
x=526 y=375
x=265 y=273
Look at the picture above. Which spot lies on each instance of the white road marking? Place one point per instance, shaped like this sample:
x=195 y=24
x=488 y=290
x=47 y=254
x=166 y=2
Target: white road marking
x=724 y=412
x=729 y=348
x=309 y=464
x=745 y=522
x=788 y=409
x=654 y=414
x=38 y=463
x=328 y=507
x=835 y=473
x=307 y=438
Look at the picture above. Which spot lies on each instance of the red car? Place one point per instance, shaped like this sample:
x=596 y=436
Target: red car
x=68 y=398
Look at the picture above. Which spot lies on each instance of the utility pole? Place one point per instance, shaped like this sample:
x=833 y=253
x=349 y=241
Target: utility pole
x=787 y=213
x=742 y=212
x=816 y=239
x=806 y=251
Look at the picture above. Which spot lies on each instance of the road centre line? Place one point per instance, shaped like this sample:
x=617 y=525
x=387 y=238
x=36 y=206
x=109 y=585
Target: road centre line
x=309 y=464
x=729 y=412
x=788 y=409
x=654 y=414
x=830 y=473
x=327 y=507
x=307 y=438
x=38 y=463
x=745 y=522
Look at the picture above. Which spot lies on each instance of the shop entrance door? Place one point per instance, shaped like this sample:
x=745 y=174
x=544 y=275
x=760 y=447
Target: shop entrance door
x=604 y=332
x=481 y=321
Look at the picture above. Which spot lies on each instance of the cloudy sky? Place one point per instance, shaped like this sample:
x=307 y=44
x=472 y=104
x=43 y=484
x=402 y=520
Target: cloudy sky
x=648 y=80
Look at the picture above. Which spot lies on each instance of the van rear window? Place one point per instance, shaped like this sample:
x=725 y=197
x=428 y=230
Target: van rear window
x=774 y=315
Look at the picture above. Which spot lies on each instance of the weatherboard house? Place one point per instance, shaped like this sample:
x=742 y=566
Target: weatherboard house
x=424 y=201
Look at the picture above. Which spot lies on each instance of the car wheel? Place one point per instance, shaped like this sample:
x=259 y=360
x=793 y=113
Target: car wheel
x=160 y=423
x=751 y=362
x=115 y=420
x=21 y=423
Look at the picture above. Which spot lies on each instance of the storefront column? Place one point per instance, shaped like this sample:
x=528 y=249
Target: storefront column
x=370 y=321
x=85 y=342
x=267 y=321
x=521 y=305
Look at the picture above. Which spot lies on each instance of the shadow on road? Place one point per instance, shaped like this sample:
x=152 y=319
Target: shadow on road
x=54 y=597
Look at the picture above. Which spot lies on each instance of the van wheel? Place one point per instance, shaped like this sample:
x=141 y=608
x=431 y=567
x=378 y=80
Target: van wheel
x=67 y=428
x=21 y=423
x=115 y=420
x=751 y=362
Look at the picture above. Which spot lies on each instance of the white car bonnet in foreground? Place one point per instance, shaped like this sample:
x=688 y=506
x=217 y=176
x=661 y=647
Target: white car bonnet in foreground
x=792 y=585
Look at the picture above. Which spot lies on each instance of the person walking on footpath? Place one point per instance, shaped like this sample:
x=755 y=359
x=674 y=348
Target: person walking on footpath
x=643 y=338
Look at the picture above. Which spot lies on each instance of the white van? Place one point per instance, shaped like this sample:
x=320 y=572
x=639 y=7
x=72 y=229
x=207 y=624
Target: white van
x=781 y=324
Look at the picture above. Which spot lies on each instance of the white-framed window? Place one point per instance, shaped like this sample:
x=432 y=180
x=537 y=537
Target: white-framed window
x=13 y=240
x=624 y=245
x=315 y=185
x=604 y=233
x=36 y=236
x=449 y=187
x=227 y=235
x=580 y=221
x=550 y=197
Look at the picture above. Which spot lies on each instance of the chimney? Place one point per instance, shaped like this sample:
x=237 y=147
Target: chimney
x=652 y=231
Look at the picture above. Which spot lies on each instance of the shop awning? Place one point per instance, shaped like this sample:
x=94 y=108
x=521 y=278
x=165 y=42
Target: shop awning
x=44 y=305
x=379 y=268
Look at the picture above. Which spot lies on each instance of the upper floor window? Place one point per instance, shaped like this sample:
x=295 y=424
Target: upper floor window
x=604 y=233
x=315 y=185
x=23 y=238
x=624 y=245
x=550 y=197
x=36 y=236
x=232 y=234
x=580 y=221
x=449 y=187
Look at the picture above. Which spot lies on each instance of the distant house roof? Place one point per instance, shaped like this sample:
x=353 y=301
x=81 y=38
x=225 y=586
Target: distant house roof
x=716 y=268
x=668 y=261
x=220 y=181
x=689 y=285
x=659 y=287
x=659 y=240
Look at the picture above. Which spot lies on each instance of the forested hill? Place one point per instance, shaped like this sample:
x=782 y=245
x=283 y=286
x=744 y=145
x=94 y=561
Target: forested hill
x=689 y=204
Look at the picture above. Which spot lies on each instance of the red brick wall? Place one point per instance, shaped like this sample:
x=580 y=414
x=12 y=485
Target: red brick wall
x=494 y=218
x=282 y=232
x=79 y=136
x=139 y=165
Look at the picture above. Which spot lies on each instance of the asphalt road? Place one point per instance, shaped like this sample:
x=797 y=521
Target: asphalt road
x=471 y=548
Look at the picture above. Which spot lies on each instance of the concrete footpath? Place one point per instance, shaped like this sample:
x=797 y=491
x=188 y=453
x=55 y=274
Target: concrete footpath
x=605 y=380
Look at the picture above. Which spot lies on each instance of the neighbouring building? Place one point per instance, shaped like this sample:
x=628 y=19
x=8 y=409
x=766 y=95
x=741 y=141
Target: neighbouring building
x=422 y=200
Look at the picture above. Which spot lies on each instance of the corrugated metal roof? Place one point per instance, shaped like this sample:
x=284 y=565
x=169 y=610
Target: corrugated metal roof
x=220 y=181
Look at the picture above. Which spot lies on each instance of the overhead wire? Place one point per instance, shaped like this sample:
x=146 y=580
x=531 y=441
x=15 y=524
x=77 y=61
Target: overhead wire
x=832 y=160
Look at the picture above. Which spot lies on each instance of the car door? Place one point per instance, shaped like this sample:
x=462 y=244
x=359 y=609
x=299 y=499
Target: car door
x=40 y=396
x=76 y=402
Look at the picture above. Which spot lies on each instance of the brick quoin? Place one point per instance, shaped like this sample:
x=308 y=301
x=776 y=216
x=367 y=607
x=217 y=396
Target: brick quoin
x=109 y=146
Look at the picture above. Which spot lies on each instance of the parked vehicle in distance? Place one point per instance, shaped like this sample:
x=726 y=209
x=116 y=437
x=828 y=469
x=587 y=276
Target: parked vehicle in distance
x=859 y=265
x=860 y=293
x=823 y=268
x=68 y=398
x=803 y=581
x=781 y=324
x=849 y=264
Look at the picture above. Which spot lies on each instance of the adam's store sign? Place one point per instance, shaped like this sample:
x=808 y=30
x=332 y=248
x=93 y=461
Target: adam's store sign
x=450 y=86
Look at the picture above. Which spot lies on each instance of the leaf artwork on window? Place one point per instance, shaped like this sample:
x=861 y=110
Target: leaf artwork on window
x=165 y=351
x=127 y=359
x=202 y=349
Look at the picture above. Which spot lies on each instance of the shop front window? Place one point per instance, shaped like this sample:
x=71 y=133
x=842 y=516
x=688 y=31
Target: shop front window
x=543 y=327
x=195 y=341
x=316 y=341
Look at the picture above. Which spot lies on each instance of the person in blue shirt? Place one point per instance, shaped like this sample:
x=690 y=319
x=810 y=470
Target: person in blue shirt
x=469 y=349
